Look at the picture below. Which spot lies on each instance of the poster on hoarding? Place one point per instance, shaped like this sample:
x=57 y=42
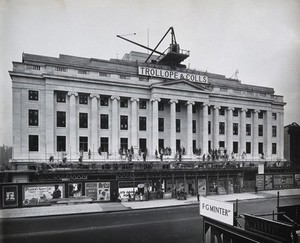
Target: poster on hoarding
x=268 y=182
x=202 y=187
x=10 y=196
x=41 y=194
x=297 y=180
x=283 y=181
x=98 y=191
x=260 y=182
x=75 y=189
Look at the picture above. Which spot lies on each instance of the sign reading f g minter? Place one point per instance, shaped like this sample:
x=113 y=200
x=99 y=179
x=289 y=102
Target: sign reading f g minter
x=220 y=211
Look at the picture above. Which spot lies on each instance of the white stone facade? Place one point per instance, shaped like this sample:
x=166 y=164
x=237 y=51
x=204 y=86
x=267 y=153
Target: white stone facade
x=221 y=103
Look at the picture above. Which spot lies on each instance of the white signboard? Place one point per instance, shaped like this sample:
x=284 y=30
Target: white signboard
x=171 y=74
x=217 y=210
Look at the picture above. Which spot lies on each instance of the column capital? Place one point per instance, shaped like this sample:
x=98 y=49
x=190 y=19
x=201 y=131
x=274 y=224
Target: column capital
x=134 y=99
x=70 y=93
x=205 y=104
x=113 y=97
x=173 y=101
x=256 y=111
x=217 y=107
x=243 y=110
x=155 y=99
x=230 y=108
x=94 y=95
x=190 y=102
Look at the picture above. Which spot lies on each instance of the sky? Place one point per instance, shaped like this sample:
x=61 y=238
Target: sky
x=259 y=38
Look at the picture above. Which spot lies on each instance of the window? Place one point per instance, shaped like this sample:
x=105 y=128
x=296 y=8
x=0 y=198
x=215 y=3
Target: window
x=61 y=119
x=274 y=116
x=83 y=99
x=161 y=124
x=83 y=72
x=177 y=107
x=124 y=102
x=194 y=109
x=235 y=129
x=61 y=69
x=124 y=122
x=235 y=147
x=248 y=113
x=104 y=144
x=260 y=115
x=177 y=125
x=33 y=142
x=209 y=127
x=124 y=143
x=143 y=104
x=61 y=97
x=222 y=128
x=83 y=120
x=260 y=130
x=235 y=112
x=248 y=129
x=104 y=74
x=274 y=131
x=274 y=148
x=194 y=126
x=161 y=106
x=260 y=148
x=222 y=144
x=161 y=144
x=60 y=143
x=104 y=121
x=33 y=117
x=143 y=79
x=33 y=95
x=143 y=123
x=104 y=101
x=222 y=111
x=124 y=77
x=248 y=147
x=209 y=110
x=178 y=145
x=83 y=144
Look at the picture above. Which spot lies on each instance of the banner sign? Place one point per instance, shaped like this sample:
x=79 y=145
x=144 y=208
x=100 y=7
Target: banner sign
x=217 y=210
x=171 y=74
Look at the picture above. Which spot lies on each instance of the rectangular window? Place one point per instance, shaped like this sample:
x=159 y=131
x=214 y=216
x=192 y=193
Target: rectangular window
x=178 y=145
x=83 y=120
x=248 y=113
x=124 y=122
x=61 y=97
x=33 y=95
x=161 y=145
x=260 y=130
x=222 y=111
x=161 y=124
x=61 y=69
x=101 y=74
x=274 y=116
x=124 y=77
x=161 y=106
x=235 y=147
x=274 y=148
x=260 y=148
x=261 y=115
x=60 y=143
x=83 y=99
x=235 y=129
x=124 y=102
x=194 y=126
x=235 y=112
x=177 y=125
x=222 y=144
x=248 y=147
x=209 y=110
x=124 y=143
x=104 y=121
x=143 y=123
x=222 y=128
x=61 y=119
x=83 y=144
x=248 y=129
x=177 y=107
x=104 y=144
x=143 y=104
x=33 y=142
x=194 y=109
x=209 y=127
x=83 y=72
x=33 y=116
x=104 y=100
x=274 y=131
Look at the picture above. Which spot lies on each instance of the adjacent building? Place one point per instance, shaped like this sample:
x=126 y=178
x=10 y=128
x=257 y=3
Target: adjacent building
x=292 y=142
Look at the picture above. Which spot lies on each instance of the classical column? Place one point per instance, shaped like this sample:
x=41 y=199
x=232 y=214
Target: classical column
x=216 y=127
x=134 y=122
x=115 y=126
x=242 y=145
x=173 y=125
x=268 y=136
x=189 y=133
x=255 y=135
x=280 y=136
x=73 y=128
x=94 y=124
x=50 y=124
x=229 y=132
x=204 y=128
x=154 y=125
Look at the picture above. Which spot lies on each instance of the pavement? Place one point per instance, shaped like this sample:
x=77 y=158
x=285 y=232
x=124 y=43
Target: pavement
x=133 y=205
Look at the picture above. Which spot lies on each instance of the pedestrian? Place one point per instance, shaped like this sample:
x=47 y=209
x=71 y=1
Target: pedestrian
x=198 y=197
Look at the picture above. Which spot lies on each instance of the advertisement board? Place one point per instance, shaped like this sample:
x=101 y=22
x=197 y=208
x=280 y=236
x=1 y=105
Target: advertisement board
x=297 y=180
x=260 y=182
x=10 y=196
x=98 y=191
x=268 y=182
x=283 y=181
x=41 y=194
x=75 y=189
x=217 y=210
x=202 y=187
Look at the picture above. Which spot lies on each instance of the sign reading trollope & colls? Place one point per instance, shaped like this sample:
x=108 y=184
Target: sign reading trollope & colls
x=220 y=211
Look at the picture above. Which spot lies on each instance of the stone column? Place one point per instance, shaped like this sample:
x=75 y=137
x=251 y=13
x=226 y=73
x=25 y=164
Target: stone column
x=115 y=126
x=94 y=125
x=173 y=125
x=280 y=136
x=229 y=132
x=204 y=128
x=268 y=136
x=215 y=127
x=73 y=128
x=50 y=125
x=154 y=125
x=255 y=135
x=134 y=122
x=189 y=133
x=242 y=145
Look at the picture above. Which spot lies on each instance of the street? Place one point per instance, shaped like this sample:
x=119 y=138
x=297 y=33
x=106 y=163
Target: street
x=173 y=224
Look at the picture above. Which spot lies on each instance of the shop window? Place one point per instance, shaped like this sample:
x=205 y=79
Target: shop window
x=222 y=128
x=61 y=97
x=83 y=144
x=104 y=144
x=83 y=99
x=33 y=142
x=61 y=119
x=60 y=143
x=33 y=116
x=161 y=124
x=177 y=125
x=143 y=123
x=33 y=95
x=124 y=122
x=83 y=120
x=104 y=121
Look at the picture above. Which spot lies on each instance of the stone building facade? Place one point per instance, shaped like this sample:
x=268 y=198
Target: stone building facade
x=71 y=105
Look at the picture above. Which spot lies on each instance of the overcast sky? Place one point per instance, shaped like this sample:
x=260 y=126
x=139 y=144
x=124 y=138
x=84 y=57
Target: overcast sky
x=260 y=38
